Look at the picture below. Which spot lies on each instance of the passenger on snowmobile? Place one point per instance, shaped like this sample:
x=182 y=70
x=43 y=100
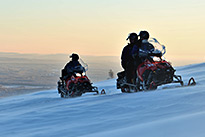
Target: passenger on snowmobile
x=70 y=66
x=127 y=60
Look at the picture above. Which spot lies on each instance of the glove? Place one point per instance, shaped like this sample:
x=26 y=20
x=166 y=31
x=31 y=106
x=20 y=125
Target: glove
x=143 y=54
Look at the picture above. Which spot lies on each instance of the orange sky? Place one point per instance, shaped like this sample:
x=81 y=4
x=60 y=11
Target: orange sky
x=93 y=27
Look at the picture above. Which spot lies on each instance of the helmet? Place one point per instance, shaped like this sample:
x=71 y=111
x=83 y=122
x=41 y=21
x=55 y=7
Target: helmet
x=144 y=34
x=132 y=36
x=74 y=57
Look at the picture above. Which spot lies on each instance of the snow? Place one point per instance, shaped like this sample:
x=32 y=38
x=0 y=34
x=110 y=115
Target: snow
x=169 y=111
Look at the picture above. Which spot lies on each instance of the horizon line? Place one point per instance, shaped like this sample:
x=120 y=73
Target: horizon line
x=18 y=53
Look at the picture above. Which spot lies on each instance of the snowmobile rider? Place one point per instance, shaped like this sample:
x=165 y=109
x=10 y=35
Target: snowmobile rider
x=70 y=66
x=127 y=60
x=144 y=47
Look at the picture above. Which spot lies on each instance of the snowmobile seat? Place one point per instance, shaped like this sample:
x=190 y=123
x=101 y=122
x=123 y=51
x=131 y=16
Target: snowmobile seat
x=121 y=74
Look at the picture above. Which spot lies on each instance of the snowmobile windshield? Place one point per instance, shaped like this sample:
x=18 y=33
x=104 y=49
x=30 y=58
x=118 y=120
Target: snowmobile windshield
x=85 y=65
x=158 y=47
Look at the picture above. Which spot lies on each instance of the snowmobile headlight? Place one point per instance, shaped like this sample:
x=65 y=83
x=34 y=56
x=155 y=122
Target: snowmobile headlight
x=156 y=59
x=83 y=73
x=78 y=74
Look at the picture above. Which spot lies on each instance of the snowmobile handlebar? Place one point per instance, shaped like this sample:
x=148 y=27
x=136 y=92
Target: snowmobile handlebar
x=79 y=69
x=148 y=54
x=155 y=54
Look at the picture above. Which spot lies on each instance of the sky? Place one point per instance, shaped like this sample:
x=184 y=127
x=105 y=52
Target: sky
x=100 y=28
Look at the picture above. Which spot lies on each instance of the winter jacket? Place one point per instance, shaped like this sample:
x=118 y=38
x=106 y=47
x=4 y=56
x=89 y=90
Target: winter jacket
x=127 y=55
x=69 y=68
x=145 y=49
x=146 y=46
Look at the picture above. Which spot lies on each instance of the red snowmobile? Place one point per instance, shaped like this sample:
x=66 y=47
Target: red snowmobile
x=75 y=85
x=153 y=72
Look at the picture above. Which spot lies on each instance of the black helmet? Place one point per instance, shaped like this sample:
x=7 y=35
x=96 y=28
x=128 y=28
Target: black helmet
x=144 y=35
x=132 y=36
x=74 y=57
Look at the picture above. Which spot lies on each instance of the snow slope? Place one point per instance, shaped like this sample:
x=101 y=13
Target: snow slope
x=166 y=112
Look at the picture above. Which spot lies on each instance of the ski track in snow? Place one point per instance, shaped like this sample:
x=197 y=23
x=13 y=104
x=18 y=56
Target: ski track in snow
x=165 y=112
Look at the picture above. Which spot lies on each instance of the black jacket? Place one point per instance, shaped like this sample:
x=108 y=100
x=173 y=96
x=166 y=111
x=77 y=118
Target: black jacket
x=146 y=46
x=127 y=55
x=69 y=68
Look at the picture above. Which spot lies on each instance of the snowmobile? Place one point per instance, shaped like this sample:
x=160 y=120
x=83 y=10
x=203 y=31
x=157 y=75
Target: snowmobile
x=152 y=72
x=75 y=85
